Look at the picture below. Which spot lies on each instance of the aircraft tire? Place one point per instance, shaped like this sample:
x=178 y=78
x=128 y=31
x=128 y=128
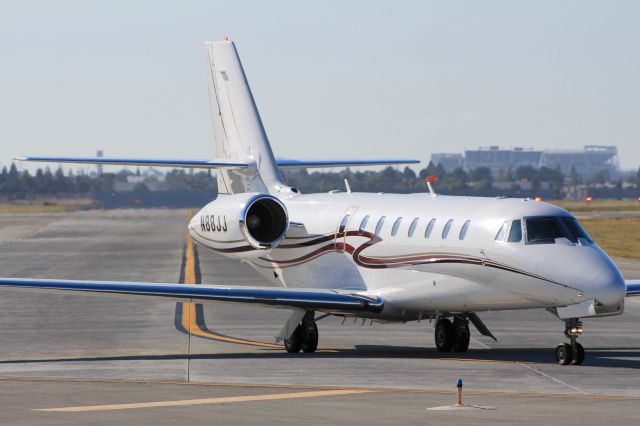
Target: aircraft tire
x=564 y=355
x=445 y=335
x=578 y=357
x=310 y=339
x=462 y=336
x=294 y=343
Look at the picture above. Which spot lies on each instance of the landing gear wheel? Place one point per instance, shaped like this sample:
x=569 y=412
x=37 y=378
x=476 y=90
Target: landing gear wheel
x=462 y=335
x=310 y=339
x=445 y=335
x=578 y=355
x=294 y=343
x=564 y=354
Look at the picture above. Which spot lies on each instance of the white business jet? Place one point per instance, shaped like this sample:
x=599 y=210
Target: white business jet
x=384 y=257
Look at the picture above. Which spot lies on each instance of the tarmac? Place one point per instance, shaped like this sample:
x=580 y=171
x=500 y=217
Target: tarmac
x=72 y=359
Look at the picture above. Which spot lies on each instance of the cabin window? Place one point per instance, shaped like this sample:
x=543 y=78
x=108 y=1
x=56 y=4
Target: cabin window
x=396 y=225
x=501 y=232
x=515 y=234
x=344 y=222
x=427 y=232
x=464 y=229
x=363 y=224
x=447 y=228
x=379 y=225
x=412 y=227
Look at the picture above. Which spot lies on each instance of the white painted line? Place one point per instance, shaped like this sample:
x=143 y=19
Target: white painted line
x=553 y=378
x=220 y=400
x=478 y=342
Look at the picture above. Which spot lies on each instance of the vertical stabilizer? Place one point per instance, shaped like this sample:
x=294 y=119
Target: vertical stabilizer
x=238 y=130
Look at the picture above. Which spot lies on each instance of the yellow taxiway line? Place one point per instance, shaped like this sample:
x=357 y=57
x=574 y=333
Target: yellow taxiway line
x=189 y=321
x=204 y=401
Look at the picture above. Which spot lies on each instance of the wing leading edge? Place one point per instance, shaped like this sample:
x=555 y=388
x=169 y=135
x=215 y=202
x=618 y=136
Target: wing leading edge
x=313 y=299
x=633 y=287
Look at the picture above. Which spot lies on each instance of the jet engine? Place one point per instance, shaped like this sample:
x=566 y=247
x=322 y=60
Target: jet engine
x=243 y=225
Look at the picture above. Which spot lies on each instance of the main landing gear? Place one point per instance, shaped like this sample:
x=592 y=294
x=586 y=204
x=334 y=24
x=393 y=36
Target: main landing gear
x=452 y=336
x=572 y=352
x=305 y=337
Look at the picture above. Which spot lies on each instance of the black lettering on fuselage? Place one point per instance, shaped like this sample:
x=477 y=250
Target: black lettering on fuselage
x=208 y=223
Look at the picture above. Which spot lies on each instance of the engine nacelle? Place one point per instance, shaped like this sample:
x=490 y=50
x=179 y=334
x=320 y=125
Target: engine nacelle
x=244 y=225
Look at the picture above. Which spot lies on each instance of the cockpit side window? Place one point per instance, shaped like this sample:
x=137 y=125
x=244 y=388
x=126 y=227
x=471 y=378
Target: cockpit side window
x=515 y=234
x=501 y=232
x=544 y=230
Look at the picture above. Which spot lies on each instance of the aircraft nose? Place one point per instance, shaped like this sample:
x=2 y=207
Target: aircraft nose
x=609 y=288
x=612 y=289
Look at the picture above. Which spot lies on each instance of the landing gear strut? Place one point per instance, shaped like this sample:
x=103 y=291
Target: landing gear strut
x=452 y=336
x=305 y=337
x=572 y=352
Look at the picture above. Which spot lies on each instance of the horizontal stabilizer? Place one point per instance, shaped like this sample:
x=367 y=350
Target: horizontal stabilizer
x=196 y=164
x=319 y=300
x=223 y=164
x=633 y=287
x=300 y=164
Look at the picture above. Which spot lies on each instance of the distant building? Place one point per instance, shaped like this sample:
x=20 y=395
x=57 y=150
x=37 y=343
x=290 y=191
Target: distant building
x=449 y=161
x=500 y=161
x=587 y=162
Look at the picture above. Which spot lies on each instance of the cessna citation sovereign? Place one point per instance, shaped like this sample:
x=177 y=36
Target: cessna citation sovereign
x=384 y=257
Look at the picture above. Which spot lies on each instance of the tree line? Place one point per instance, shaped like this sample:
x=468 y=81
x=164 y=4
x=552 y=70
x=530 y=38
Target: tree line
x=545 y=182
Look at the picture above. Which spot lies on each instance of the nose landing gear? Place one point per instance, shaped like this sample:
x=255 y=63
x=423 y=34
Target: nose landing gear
x=572 y=352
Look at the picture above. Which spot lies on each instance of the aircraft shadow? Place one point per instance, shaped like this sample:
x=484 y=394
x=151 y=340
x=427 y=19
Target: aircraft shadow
x=625 y=357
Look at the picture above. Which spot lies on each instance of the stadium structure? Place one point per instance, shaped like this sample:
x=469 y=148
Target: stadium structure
x=587 y=162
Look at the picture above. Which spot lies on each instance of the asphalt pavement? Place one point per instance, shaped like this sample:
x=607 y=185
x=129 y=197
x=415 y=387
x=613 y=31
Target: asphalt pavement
x=85 y=359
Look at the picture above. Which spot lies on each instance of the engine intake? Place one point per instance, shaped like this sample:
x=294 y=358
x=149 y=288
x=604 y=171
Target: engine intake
x=241 y=225
x=264 y=221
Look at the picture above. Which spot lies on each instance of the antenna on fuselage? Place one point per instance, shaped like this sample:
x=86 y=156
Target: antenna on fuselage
x=346 y=184
x=429 y=180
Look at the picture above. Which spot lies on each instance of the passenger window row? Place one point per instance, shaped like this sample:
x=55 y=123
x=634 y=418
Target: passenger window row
x=412 y=227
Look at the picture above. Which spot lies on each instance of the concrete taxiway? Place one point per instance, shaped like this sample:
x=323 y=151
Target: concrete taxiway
x=68 y=359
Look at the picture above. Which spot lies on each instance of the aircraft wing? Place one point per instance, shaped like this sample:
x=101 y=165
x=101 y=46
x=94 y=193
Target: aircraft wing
x=309 y=299
x=633 y=287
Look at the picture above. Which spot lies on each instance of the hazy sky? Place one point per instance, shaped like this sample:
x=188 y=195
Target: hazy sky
x=331 y=79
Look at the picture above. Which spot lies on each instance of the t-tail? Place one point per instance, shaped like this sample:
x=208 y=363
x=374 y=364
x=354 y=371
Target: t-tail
x=243 y=157
x=238 y=130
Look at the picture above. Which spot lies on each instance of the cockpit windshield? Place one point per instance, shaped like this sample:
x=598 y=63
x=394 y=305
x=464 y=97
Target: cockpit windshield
x=545 y=230
x=575 y=228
